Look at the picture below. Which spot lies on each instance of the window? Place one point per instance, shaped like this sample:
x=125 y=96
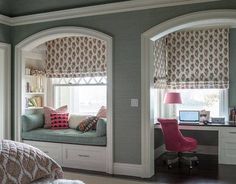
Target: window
x=81 y=99
x=213 y=100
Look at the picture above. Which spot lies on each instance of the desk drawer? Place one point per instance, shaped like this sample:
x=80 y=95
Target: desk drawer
x=84 y=157
x=228 y=133
x=227 y=150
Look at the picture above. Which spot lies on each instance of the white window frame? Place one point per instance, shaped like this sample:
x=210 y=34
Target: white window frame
x=69 y=85
x=223 y=104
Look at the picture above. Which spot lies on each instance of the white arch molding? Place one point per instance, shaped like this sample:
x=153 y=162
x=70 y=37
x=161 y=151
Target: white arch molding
x=202 y=18
x=50 y=34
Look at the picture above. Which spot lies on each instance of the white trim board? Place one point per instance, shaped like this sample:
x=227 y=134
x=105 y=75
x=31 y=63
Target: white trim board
x=95 y=10
x=5 y=96
x=128 y=169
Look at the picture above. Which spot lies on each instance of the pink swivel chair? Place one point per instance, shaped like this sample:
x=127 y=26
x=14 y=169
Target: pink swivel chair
x=176 y=142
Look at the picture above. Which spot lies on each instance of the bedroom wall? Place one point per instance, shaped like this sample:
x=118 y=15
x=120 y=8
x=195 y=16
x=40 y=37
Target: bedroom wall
x=126 y=30
x=5 y=33
x=232 y=67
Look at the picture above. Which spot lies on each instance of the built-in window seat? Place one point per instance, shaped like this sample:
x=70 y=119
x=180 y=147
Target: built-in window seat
x=69 y=147
x=69 y=136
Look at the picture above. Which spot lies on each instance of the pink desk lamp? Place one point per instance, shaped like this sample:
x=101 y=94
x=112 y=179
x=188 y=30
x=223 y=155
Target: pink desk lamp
x=172 y=98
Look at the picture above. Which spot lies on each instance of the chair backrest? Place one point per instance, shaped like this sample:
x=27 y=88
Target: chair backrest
x=172 y=136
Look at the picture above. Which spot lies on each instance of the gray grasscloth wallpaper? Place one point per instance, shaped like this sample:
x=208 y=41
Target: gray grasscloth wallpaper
x=126 y=30
x=232 y=67
x=5 y=33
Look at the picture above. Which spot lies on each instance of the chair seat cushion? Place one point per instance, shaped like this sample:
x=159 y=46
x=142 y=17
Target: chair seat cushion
x=70 y=136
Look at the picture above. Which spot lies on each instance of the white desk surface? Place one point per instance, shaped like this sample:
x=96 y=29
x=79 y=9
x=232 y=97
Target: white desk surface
x=198 y=126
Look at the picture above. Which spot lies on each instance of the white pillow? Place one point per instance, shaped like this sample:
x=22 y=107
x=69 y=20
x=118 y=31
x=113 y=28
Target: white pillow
x=75 y=120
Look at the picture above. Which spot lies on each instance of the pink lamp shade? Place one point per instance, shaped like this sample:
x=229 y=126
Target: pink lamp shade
x=172 y=98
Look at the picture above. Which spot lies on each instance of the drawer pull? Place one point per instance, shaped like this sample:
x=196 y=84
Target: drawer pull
x=232 y=132
x=83 y=156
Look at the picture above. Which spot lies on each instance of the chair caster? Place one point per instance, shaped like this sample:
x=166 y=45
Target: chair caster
x=196 y=162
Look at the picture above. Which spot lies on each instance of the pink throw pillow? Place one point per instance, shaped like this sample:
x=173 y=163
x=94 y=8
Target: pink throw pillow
x=102 y=113
x=48 y=111
x=59 y=120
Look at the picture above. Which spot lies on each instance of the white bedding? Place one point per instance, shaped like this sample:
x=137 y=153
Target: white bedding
x=58 y=181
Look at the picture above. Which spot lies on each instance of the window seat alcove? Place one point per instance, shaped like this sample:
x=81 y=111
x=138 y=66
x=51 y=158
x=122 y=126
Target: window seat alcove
x=69 y=147
x=61 y=115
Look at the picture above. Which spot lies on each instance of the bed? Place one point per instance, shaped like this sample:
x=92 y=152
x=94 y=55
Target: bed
x=22 y=164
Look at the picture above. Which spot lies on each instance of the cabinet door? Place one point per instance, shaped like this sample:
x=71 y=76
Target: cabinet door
x=84 y=157
x=227 y=146
x=53 y=150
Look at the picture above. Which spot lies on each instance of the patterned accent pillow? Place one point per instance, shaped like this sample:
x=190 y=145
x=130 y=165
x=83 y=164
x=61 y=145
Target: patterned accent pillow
x=102 y=113
x=88 y=124
x=49 y=110
x=59 y=120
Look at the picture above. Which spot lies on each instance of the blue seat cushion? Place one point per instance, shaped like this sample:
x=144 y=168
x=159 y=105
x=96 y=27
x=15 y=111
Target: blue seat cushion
x=32 y=121
x=70 y=136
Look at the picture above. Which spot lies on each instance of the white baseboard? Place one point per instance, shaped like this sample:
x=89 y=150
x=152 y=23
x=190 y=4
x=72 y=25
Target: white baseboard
x=128 y=169
x=159 y=151
x=202 y=149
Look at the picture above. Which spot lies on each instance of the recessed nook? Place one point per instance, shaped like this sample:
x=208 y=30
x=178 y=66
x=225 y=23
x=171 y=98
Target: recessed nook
x=41 y=82
x=214 y=18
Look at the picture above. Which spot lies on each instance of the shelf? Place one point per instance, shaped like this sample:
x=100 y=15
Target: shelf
x=35 y=93
x=33 y=108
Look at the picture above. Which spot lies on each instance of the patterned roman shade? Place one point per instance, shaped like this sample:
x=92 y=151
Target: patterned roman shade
x=198 y=59
x=160 y=73
x=73 y=57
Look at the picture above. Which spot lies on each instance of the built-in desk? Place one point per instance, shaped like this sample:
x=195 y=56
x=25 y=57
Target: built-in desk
x=226 y=139
x=201 y=126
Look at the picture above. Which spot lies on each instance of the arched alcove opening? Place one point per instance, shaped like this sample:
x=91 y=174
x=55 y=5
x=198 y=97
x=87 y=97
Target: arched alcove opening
x=51 y=34
x=197 y=19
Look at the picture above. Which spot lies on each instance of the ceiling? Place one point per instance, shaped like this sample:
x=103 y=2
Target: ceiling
x=13 y=8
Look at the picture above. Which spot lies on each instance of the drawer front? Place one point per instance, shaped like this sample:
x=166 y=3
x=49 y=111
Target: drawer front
x=228 y=133
x=227 y=150
x=52 y=150
x=84 y=158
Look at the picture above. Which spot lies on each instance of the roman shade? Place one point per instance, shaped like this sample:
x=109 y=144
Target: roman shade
x=197 y=59
x=74 y=57
x=160 y=73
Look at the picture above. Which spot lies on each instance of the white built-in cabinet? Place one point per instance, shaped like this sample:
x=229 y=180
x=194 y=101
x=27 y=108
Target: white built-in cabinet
x=74 y=156
x=227 y=146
